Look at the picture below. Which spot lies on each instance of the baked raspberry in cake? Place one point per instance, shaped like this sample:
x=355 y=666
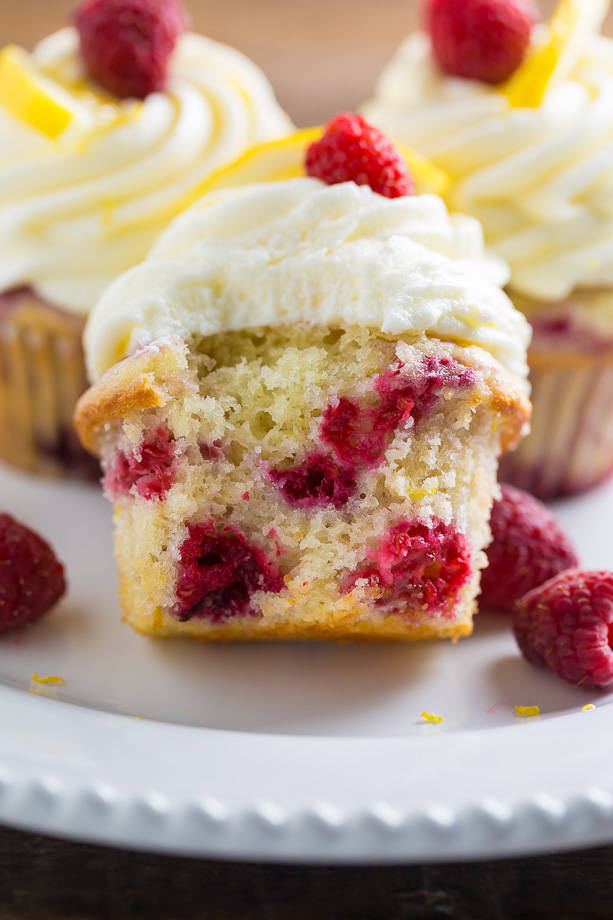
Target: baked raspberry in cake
x=300 y=401
x=528 y=153
x=107 y=130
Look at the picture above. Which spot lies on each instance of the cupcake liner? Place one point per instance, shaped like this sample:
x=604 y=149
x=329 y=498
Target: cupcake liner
x=42 y=375
x=570 y=449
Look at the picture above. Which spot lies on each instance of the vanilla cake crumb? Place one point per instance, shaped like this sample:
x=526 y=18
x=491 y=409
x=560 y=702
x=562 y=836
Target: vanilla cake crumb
x=303 y=481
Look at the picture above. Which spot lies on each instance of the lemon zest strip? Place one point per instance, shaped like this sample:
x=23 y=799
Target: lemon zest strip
x=430 y=717
x=570 y=27
x=47 y=680
x=527 y=712
x=30 y=96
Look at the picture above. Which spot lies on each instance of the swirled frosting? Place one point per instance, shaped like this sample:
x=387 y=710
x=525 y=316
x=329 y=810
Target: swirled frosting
x=77 y=212
x=540 y=180
x=302 y=251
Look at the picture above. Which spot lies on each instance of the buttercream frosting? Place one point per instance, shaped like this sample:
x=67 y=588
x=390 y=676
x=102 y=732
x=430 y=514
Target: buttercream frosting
x=540 y=180
x=302 y=251
x=78 y=211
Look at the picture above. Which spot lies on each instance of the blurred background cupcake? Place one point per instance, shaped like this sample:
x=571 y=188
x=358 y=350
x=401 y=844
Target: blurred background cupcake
x=107 y=131
x=519 y=114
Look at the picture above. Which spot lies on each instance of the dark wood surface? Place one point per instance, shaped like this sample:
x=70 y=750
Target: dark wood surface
x=41 y=879
x=321 y=55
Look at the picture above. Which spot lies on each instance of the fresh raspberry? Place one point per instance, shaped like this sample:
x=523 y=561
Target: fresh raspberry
x=425 y=565
x=31 y=578
x=219 y=571
x=317 y=482
x=127 y=44
x=351 y=150
x=566 y=625
x=480 y=39
x=147 y=471
x=528 y=548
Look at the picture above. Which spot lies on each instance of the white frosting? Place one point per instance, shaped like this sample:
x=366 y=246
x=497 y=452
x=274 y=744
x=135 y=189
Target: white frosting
x=540 y=180
x=302 y=251
x=77 y=212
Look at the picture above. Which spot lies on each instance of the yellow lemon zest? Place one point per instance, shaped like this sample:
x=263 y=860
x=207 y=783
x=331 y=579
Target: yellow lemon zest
x=589 y=706
x=419 y=494
x=32 y=97
x=572 y=24
x=527 y=712
x=430 y=717
x=47 y=680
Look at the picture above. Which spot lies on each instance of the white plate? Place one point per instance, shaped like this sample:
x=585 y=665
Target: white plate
x=289 y=752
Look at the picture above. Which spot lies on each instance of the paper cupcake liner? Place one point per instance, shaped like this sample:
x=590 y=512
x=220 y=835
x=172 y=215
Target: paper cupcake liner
x=42 y=375
x=570 y=449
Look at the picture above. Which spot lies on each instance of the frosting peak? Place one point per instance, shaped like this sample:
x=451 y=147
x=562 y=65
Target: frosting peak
x=77 y=211
x=302 y=251
x=540 y=180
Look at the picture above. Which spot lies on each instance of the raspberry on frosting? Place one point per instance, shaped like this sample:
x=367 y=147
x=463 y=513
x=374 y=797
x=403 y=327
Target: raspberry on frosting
x=480 y=39
x=528 y=548
x=352 y=150
x=127 y=44
x=566 y=625
x=31 y=578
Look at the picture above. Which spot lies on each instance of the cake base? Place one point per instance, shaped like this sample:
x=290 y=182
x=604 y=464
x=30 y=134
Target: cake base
x=308 y=483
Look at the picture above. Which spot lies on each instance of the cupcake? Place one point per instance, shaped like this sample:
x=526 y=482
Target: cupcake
x=521 y=120
x=107 y=131
x=301 y=397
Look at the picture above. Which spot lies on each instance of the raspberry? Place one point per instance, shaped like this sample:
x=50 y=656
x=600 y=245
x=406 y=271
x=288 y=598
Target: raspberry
x=219 y=572
x=148 y=471
x=31 y=578
x=527 y=549
x=426 y=564
x=127 y=44
x=566 y=625
x=318 y=481
x=480 y=39
x=211 y=452
x=360 y=435
x=351 y=150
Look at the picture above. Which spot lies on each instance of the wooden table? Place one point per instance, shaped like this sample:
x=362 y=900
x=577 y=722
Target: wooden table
x=322 y=56
x=41 y=879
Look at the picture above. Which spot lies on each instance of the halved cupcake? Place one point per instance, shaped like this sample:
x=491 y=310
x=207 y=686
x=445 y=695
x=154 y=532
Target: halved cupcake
x=107 y=131
x=300 y=403
x=527 y=150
